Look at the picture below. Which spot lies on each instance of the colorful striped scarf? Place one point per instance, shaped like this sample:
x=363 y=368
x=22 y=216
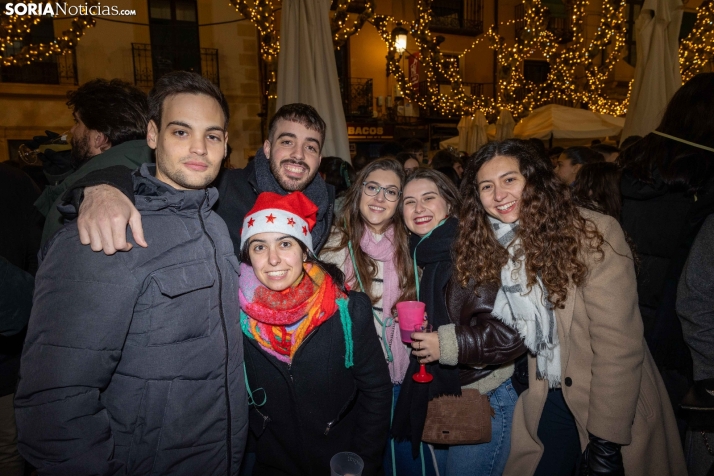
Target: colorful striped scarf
x=281 y=320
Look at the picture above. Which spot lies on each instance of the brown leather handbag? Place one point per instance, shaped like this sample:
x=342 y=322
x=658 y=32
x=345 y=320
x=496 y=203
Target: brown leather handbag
x=453 y=420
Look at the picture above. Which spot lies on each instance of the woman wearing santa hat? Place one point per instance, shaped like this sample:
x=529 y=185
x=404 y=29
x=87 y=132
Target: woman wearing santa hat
x=318 y=384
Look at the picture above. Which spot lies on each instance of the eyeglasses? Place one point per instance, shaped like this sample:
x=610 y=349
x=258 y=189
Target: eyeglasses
x=373 y=188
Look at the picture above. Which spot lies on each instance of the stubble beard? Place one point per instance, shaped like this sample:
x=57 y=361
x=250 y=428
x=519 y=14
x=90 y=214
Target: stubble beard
x=178 y=176
x=80 y=150
x=288 y=184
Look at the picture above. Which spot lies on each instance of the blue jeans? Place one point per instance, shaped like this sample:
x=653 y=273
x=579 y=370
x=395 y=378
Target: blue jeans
x=406 y=465
x=486 y=459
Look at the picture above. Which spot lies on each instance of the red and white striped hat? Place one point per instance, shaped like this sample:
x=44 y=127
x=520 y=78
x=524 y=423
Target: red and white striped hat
x=293 y=214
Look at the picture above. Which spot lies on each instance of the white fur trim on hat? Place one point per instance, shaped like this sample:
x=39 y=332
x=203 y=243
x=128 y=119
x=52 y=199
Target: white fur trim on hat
x=275 y=220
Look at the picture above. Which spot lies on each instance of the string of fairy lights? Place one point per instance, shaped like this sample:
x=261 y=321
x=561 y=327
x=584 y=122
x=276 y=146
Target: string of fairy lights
x=579 y=71
x=696 y=51
x=14 y=28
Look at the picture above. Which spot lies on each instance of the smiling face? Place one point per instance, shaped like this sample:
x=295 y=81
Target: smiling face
x=500 y=186
x=277 y=260
x=566 y=170
x=294 y=154
x=192 y=142
x=424 y=207
x=376 y=211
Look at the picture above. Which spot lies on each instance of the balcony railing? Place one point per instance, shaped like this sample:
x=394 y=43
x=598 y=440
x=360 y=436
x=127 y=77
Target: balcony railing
x=558 y=24
x=357 y=97
x=520 y=21
x=58 y=69
x=147 y=57
x=460 y=17
x=474 y=89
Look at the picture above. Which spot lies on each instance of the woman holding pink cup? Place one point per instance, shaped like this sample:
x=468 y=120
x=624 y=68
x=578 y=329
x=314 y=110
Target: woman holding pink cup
x=468 y=350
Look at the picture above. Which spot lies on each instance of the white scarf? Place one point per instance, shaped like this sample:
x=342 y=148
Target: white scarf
x=528 y=312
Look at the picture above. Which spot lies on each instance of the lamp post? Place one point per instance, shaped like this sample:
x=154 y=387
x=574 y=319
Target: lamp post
x=399 y=34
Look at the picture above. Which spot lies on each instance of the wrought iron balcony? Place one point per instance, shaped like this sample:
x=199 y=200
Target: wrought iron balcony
x=460 y=17
x=357 y=97
x=57 y=69
x=151 y=62
x=558 y=23
x=560 y=27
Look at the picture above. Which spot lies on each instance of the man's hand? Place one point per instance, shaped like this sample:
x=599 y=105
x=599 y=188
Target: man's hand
x=103 y=216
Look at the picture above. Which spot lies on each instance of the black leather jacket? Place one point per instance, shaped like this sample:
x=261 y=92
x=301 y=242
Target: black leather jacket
x=483 y=339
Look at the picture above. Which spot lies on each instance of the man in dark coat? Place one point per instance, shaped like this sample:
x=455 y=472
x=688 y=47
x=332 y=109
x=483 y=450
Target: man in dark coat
x=19 y=242
x=288 y=161
x=109 y=130
x=133 y=362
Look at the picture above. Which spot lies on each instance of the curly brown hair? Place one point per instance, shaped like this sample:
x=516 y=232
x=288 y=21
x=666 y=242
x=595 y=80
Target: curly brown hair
x=351 y=227
x=553 y=233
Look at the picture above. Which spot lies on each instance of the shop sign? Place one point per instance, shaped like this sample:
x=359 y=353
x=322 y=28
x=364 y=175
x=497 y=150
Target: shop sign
x=365 y=131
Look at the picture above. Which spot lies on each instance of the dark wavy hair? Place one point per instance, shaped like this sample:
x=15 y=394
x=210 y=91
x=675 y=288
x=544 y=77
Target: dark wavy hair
x=303 y=114
x=681 y=166
x=350 y=225
x=581 y=155
x=338 y=173
x=115 y=108
x=183 y=82
x=446 y=187
x=553 y=233
x=338 y=277
x=597 y=187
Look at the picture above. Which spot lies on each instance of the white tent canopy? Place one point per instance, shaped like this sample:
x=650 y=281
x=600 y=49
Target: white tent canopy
x=657 y=75
x=306 y=69
x=450 y=143
x=505 y=125
x=464 y=128
x=561 y=122
x=477 y=134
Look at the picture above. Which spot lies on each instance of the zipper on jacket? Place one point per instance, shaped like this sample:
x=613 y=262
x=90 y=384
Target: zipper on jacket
x=225 y=332
x=304 y=341
x=343 y=411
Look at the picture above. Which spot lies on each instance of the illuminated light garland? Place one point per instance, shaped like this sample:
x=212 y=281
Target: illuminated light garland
x=12 y=31
x=14 y=28
x=262 y=14
x=696 y=51
x=574 y=75
x=340 y=31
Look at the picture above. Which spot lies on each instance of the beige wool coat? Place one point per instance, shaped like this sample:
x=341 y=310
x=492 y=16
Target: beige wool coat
x=609 y=379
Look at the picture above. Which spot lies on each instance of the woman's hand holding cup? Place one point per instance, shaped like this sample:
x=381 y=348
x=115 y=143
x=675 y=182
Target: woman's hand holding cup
x=425 y=344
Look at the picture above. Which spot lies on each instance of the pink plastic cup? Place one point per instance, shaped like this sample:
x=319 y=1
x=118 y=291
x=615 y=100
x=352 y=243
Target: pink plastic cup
x=411 y=313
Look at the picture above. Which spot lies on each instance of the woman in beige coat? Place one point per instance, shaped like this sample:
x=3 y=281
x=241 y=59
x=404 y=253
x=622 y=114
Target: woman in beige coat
x=567 y=283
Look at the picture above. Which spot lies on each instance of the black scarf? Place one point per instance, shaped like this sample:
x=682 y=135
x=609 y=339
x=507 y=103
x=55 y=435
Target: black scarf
x=433 y=255
x=315 y=191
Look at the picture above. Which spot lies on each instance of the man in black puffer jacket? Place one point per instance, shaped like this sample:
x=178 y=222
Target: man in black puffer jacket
x=132 y=363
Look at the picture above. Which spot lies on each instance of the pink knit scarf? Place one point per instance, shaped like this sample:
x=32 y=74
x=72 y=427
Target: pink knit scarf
x=384 y=251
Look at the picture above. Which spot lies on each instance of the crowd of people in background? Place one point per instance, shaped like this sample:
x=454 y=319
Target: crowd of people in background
x=189 y=318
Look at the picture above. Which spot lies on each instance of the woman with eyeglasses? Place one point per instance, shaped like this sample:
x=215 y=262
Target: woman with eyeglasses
x=369 y=244
x=469 y=350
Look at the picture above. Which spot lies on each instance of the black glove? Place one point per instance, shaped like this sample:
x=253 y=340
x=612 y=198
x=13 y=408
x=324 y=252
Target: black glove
x=602 y=458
